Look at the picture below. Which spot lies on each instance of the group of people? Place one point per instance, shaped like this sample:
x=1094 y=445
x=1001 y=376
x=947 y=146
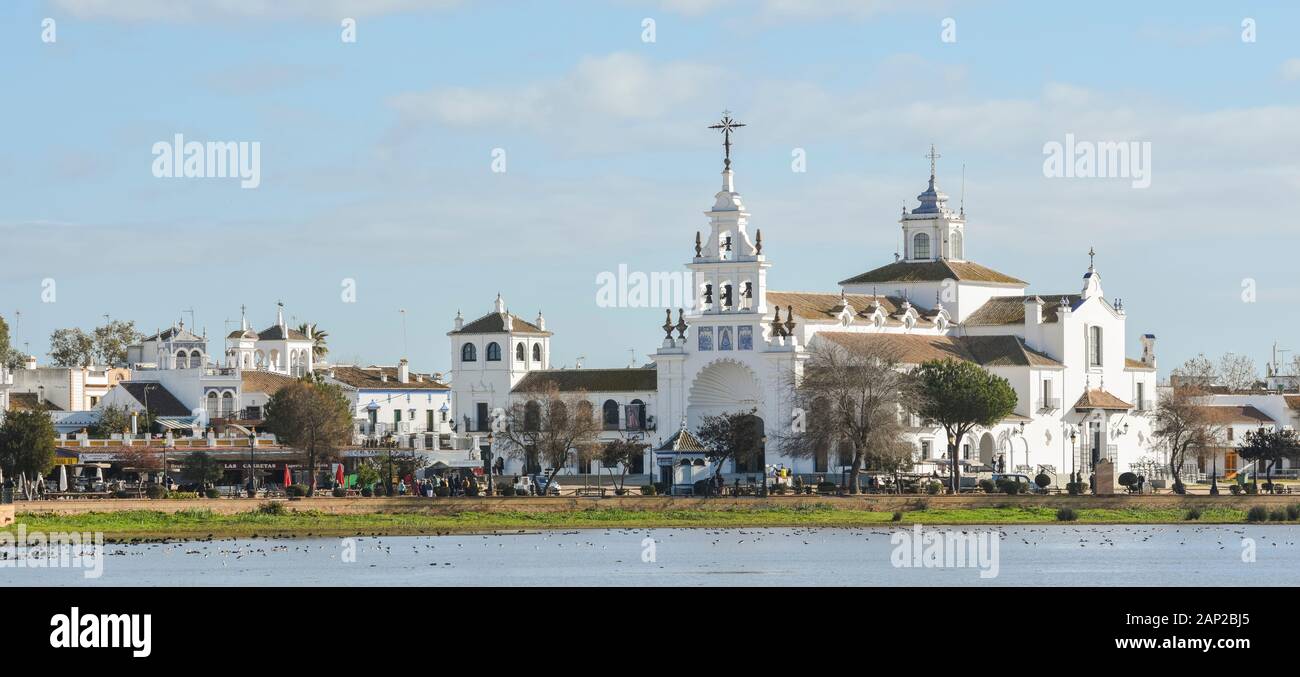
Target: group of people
x=455 y=486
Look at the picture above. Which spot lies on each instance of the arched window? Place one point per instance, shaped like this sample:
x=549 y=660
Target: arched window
x=1094 y=346
x=212 y=403
x=609 y=412
x=261 y=359
x=521 y=353
x=227 y=403
x=537 y=352
x=921 y=246
x=468 y=353
x=493 y=352
x=532 y=416
x=956 y=246
x=585 y=411
x=181 y=361
x=196 y=359
x=636 y=415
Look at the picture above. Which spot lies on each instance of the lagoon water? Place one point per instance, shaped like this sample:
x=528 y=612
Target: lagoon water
x=1167 y=555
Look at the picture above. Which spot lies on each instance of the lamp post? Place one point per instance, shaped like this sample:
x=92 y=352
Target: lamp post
x=762 y=465
x=252 y=450
x=954 y=470
x=487 y=461
x=1074 y=436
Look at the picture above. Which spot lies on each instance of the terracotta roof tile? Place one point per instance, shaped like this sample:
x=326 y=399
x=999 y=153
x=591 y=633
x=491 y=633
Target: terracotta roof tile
x=1130 y=363
x=933 y=271
x=1232 y=413
x=495 y=323
x=372 y=378
x=683 y=440
x=263 y=381
x=30 y=402
x=988 y=351
x=633 y=379
x=1004 y=310
x=1100 y=399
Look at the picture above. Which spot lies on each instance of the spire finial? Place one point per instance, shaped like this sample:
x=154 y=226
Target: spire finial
x=1092 y=258
x=933 y=156
x=727 y=125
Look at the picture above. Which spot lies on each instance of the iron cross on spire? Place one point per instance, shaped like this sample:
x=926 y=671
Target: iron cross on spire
x=1092 y=257
x=727 y=125
x=933 y=156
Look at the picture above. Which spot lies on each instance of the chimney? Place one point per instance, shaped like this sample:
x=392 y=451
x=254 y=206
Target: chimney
x=460 y=321
x=1149 y=350
x=31 y=361
x=509 y=322
x=1033 y=311
x=541 y=321
x=403 y=371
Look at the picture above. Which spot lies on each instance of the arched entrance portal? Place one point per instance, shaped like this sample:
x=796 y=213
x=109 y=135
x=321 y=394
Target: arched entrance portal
x=726 y=386
x=987 y=449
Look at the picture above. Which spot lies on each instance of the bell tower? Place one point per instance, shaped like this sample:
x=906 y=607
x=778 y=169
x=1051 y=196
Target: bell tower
x=932 y=231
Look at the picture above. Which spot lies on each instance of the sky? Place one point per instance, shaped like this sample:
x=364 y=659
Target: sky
x=380 y=158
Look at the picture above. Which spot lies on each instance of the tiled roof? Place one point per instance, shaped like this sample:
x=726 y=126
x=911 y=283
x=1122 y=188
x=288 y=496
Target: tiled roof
x=1235 y=413
x=1003 y=310
x=933 y=271
x=495 y=323
x=173 y=334
x=277 y=333
x=989 y=351
x=1130 y=363
x=1100 y=399
x=629 y=379
x=826 y=307
x=161 y=401
x=30 y=402
x=372 y=378
x=264 y=381
x=683 y=440
x=242 y=334
x=1292 y=401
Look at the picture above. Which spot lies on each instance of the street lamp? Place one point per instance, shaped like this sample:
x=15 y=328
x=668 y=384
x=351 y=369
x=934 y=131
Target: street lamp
x=1073 y=456
x=487 y=460
x=762 y=465
x=252 y=449
x=954 y=470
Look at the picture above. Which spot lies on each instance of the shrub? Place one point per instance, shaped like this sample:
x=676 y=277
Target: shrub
x=1076 y=488
x=1042 y=480
x=827 y=487
x=378 y=490
x=661 y=487
x=1009 y=487
x=1192 y=514
x=1127 y=479
x=1257 y=514
x=366 y=492
x=1235 y=489
x=123 y=494
x=271 y=508
x=933 y=488
x=182 y=494
x=647 y=490
x=1277 y=515
x=509 y=490
x=339 y=492
x=212 y=492
x=1293 y=512
x=898 y=516
x=156 y=491
x=987 y=486
x=1066 y=514
x=295 y=490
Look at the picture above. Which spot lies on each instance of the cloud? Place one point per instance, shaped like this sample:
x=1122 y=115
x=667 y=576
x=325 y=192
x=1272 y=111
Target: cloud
x=1291 y=69
x=599 y=103
x=198 y=10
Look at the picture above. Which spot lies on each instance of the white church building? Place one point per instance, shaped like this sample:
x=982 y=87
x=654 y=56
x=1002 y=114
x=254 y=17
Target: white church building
x=1080 y=397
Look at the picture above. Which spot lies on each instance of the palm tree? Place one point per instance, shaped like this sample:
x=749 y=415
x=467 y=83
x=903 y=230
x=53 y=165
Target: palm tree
x=318 y=337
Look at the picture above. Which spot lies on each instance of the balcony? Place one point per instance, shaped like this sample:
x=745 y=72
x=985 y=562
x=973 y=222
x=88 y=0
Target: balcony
x=1142 y=405
x=1049 y=404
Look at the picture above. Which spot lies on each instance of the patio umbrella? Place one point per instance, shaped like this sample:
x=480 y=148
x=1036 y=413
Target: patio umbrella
x=288 y=479
x=338 y=475
x=63 y=478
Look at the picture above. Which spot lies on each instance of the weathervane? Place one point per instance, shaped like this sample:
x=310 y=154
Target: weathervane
x=727 y=125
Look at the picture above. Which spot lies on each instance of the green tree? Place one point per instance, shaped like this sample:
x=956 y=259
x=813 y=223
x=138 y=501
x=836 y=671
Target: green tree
x=26 y=443
x=312 y=416
x=71 y=348
x=960 y=395
x=1269 y=447
x=111 y=340
x=112 y=421
x=203 y=469
x=737 y=435
x=319 y=349
x=620 y=453
x=548 y=427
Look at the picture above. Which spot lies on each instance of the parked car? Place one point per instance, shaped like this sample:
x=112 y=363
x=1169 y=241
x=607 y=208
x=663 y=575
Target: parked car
x=536 y=485
x=1027 y=485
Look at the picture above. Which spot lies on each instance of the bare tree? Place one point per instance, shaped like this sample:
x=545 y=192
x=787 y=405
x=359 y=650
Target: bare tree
x=855 y=399
x=1184 y=424
x=620 y=453
x=1198 y=372
x=1237 y=372
x=549 y=427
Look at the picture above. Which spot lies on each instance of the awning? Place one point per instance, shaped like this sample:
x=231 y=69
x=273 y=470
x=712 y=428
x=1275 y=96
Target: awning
x=176 y=423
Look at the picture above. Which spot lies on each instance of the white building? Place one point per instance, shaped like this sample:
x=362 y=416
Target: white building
x=1081 y=398
x=394 y=400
